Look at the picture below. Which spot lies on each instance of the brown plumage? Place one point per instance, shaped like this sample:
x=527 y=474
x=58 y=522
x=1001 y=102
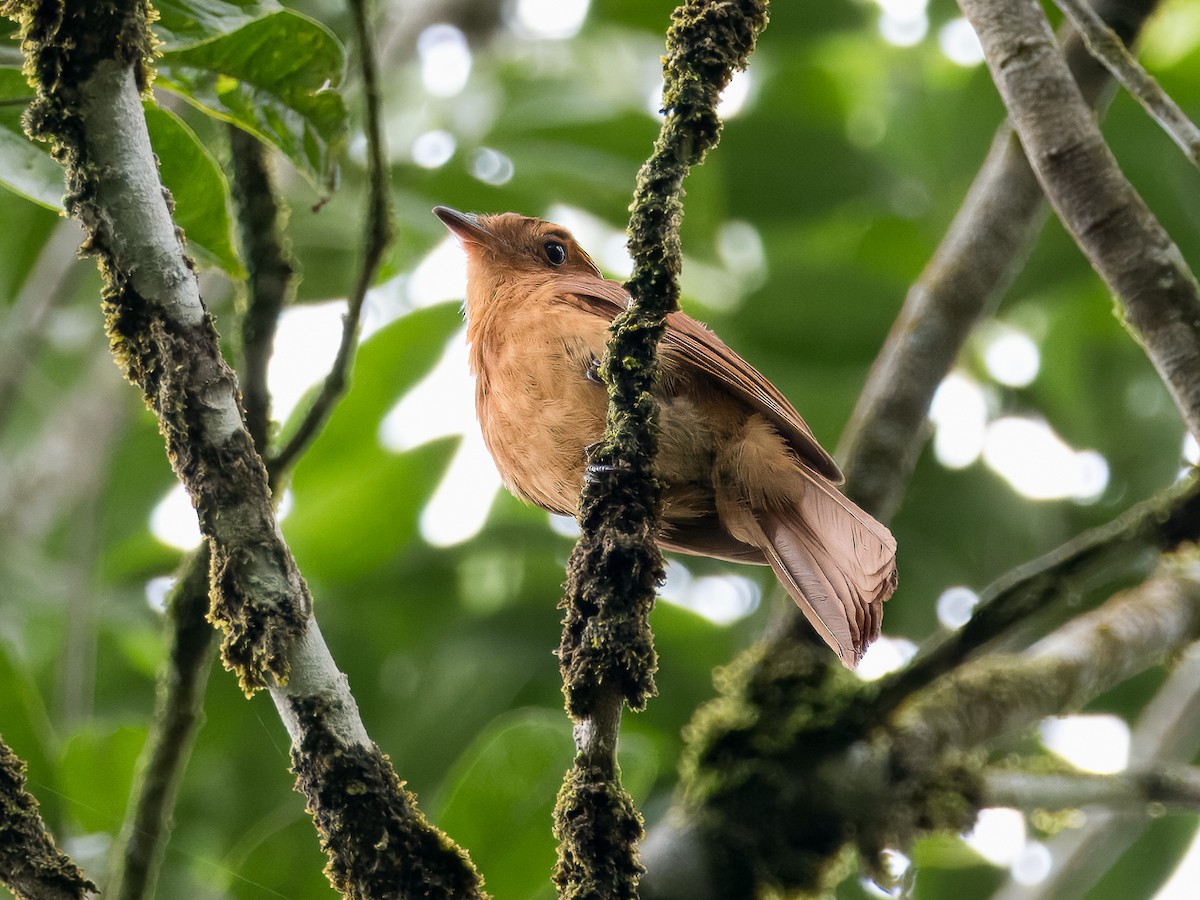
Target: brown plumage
x=743 y=477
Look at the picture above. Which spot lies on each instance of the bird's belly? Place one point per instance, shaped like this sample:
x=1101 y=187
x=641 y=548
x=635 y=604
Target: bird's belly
x=538 y=418
x=538 y=436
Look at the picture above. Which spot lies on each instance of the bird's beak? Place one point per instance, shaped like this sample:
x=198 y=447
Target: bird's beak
x=464 y=226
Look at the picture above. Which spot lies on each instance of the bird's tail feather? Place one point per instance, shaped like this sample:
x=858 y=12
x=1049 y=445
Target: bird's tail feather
x=838 y=564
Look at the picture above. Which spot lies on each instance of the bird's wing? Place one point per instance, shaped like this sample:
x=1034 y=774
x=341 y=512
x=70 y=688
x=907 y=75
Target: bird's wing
x=688 y=344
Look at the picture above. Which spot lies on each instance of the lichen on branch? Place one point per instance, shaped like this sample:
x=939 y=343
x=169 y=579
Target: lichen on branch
x=30 y=862
x=607 y=650
x=616 y=565
x=90 y=65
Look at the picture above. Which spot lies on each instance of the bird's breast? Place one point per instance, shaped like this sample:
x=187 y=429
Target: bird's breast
x=537 y=406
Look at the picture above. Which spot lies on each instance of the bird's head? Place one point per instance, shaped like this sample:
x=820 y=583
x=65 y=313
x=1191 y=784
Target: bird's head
x=508 y=247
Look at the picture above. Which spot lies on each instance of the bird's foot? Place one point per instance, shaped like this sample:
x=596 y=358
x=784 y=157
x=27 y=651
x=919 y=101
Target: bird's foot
x=596 y=471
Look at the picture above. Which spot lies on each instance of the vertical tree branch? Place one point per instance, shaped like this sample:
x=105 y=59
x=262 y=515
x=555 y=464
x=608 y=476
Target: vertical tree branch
x=271 y=282
x=177 y=716
x=30 y=862
x=1158 y=294
x=607 y=651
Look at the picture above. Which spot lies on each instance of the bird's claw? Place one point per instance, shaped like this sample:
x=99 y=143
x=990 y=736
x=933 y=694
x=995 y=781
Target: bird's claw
x=596 y=471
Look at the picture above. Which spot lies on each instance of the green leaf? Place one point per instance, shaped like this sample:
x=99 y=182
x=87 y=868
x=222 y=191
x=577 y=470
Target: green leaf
x=96 y=774
x=501 y=798
x=356 y=504
x=187 y=169
x=192 y=21
x=199 y=187
x=25 y=165
x=270 y=71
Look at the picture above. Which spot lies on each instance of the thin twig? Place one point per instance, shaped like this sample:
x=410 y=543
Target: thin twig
x=1170 y=787
x=1158 y=294
x=1107 y=47
x=377 y=238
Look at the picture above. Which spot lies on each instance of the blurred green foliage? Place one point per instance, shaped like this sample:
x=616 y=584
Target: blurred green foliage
x=848 y=160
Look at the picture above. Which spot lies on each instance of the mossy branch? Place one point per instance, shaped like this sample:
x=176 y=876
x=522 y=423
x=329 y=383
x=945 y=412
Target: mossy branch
x=30 y=862
x=271 y=284
x=89 y=63
x=607 y=650
x=781 y=805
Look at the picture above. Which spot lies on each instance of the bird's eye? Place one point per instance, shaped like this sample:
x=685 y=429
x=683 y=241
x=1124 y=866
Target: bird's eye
x=556 y=253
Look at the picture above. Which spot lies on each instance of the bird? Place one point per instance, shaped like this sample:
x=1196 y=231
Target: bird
x=742 y=476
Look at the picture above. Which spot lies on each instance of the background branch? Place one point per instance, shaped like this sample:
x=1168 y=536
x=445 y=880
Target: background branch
x=270 y=285
x=1172 y=787
x=178 y=713
x=1104 y=44
x=1167 y=732
x=982 y=251
x=378 y=233
x=1159 y=296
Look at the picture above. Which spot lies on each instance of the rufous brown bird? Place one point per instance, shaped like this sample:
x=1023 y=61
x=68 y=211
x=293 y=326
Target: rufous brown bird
x=742 y=475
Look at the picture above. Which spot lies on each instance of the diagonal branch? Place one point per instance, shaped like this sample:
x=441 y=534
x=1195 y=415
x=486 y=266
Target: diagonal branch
x=190 y=638
x=1106 y=46
x=1158 y=294
x=1154 y=526
x=984 y=248
x=89 y=63
x=1134 y=629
